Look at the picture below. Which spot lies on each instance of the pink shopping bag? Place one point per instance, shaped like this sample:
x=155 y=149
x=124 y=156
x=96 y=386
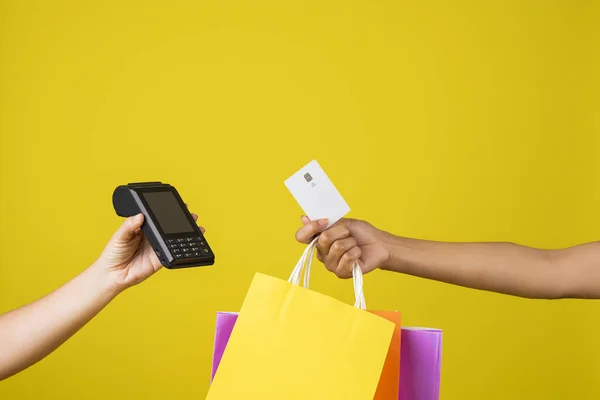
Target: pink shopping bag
x=420 y=364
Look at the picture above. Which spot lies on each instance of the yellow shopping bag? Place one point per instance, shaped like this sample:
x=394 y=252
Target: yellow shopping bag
x=293 y=343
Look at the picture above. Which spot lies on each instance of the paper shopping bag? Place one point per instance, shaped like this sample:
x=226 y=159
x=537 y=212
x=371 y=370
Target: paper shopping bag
x=292 y=343
x=223 y=329
x=388 y=386
x=420 y=364
x=421 y=352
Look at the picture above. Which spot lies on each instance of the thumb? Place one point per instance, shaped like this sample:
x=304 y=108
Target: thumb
x=305 y=220
x=129 y=228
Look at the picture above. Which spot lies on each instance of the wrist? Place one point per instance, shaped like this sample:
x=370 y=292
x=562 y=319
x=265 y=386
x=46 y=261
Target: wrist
x=397 y=249
x=106 y=280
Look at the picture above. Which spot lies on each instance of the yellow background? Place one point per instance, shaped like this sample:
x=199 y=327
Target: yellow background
x=441 y=120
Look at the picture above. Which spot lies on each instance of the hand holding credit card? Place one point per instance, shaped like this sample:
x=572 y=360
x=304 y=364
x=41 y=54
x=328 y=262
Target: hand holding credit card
x=316 y=194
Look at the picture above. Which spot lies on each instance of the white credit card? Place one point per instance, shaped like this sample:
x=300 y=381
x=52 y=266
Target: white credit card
x=316 y=194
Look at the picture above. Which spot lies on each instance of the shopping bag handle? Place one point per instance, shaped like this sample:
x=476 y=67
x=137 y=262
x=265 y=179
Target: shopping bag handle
x=305 y=263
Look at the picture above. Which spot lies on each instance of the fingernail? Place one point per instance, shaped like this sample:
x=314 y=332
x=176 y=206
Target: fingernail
x=137 y=218
x=323 y=222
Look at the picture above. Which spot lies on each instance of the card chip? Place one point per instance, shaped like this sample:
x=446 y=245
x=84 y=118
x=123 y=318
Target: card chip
x=307 y=177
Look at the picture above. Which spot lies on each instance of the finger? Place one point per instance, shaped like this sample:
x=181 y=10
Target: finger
x=195 y=217
x=339 y=247
x=305 y=220
x=129 y=227
x=320 y=257
x=344 y=268
x=310 y=230
x=332 y=234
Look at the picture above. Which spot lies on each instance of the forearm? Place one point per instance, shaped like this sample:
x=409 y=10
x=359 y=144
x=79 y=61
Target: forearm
x=501 y=267
x=31 y=332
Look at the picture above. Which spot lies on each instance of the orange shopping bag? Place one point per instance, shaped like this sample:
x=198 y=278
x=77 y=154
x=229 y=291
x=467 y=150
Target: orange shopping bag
x=293 y=343
x=389 y=382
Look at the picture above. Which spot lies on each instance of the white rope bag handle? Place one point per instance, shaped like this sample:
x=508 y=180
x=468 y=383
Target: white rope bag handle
x=305 y=263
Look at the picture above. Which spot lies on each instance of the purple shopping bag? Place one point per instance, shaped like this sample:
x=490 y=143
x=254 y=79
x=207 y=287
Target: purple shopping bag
x=420 y=359
x=420 y=364
x=225 y=323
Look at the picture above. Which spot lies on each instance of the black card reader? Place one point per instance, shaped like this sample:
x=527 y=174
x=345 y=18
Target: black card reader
x=168 y=225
